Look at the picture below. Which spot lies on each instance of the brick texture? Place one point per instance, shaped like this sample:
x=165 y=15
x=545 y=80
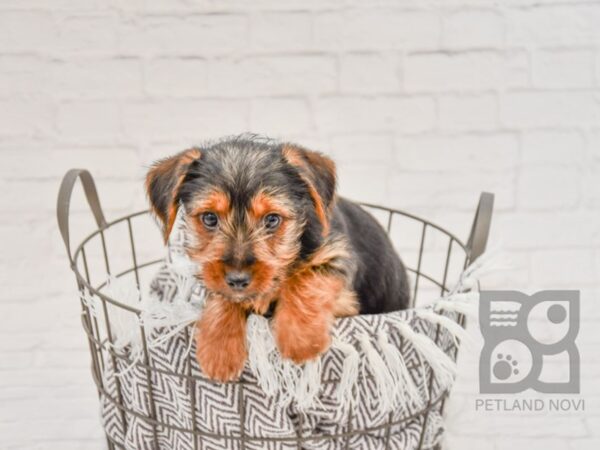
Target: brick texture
x=422 y=104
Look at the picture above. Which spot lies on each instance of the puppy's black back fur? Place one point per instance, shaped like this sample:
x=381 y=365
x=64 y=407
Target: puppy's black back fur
x=381 y=281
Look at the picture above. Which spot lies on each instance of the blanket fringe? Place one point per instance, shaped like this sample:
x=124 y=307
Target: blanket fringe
x=465 y=308
x=444 y=369
x=261 y=345
x=384 y=382
x=458 y=333
x=405 y=391
x=309 y=385
x=346 y=393
x=486 y=263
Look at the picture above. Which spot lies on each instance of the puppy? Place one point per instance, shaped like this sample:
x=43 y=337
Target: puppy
x=270 y=235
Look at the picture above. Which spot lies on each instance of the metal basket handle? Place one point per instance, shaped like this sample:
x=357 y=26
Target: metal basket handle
x=64 y=201
x=480 y=229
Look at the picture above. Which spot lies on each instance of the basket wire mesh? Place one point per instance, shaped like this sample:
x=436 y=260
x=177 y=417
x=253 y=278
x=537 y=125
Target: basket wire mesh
x=97 y=257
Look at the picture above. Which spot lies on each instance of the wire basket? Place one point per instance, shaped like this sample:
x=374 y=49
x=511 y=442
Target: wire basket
x=123 y=248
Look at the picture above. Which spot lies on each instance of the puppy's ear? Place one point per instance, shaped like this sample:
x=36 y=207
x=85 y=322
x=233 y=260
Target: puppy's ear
x=163 y=182
x=318 y=172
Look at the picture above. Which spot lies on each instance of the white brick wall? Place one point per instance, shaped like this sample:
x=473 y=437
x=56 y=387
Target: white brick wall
x=423 y=105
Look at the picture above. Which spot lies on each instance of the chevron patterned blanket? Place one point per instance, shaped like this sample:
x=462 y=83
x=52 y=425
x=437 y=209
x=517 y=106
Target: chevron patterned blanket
x=393 y=368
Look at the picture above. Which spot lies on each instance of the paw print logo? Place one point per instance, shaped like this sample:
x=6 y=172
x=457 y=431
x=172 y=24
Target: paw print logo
x=510 y=362
x=520 y=333
x=505 y=367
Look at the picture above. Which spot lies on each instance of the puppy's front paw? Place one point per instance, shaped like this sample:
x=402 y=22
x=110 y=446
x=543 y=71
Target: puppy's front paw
x=299 y=342
x=222 y=363
x=221 y=340
x=302 y=350
x=303 y=316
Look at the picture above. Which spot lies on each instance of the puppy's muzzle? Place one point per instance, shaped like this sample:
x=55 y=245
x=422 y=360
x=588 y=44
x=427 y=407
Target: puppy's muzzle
x=237 y=280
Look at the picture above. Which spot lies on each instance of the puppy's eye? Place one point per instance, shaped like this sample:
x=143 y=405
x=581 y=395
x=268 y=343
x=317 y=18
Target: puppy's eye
x=210 y=220
x=272 y=221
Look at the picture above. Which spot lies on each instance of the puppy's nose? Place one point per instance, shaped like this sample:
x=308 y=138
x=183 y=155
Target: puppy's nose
x=237 y=280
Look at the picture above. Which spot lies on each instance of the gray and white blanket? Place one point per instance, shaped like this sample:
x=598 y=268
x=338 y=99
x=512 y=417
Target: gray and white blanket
x=393 y=368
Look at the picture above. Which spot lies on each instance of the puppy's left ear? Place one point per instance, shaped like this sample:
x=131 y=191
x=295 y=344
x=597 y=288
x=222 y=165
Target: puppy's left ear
x=163 y=182
x=318 y=172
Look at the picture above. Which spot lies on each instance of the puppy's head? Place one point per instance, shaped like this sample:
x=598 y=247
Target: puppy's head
x=256 y=210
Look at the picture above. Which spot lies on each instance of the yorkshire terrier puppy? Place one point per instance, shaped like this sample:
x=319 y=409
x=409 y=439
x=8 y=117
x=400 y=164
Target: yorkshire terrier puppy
x=270 y=235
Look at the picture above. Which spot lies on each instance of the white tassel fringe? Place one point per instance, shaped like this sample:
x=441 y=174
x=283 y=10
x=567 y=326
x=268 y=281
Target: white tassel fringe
x=443 y=367
x=346 y=393
x=261 y=346
x=458 y=333
x=405 y=391
x=384 y=382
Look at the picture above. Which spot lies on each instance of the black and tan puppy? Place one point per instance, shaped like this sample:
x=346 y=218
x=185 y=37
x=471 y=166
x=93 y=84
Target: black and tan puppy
x=269 y=233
